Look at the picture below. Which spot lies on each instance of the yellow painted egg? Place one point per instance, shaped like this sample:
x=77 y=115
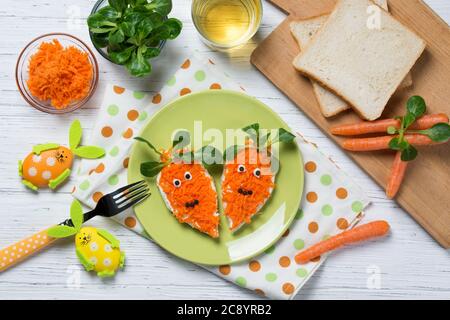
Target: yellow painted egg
x=99 y=251
x=40 y=169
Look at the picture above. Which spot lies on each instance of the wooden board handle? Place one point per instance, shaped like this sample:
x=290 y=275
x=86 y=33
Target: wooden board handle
x=21 y=250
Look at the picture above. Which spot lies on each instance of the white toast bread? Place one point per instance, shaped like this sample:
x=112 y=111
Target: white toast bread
x=362 y=65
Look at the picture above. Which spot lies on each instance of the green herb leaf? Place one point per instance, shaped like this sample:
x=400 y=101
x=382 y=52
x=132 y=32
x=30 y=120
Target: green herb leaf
x=161 y=6
x=438 y=133
x=416 y=106
x=89 y=152
x=76 y=214
x=75 y=133
x=151 y=146
x=409 y=153
x=181 y=140
x=152 y=168
x=61 y=231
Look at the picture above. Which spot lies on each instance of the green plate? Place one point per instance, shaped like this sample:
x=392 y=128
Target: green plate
x=218 y=109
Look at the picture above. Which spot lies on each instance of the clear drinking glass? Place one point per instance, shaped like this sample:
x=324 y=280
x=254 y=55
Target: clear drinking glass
x=225 y=24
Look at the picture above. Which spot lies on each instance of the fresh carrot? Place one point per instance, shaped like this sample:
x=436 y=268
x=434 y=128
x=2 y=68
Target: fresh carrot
x=361 y=233
x=381 y=126
x=397 y=175
x=382 y=143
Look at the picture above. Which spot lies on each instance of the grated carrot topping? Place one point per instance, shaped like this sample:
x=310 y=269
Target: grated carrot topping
x=241 y=208
x=61 y=75
x=203 y=215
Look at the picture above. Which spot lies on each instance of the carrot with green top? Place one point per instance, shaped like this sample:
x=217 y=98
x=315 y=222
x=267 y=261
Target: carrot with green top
x=365 y=232
x=381 y=126
x=382 y=143
x=397 y=174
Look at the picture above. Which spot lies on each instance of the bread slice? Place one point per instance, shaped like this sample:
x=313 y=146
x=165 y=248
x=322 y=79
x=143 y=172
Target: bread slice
x=303 y=31
x=362 y=65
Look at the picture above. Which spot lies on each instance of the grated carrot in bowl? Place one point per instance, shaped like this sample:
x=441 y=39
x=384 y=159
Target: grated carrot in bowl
x=60 y=74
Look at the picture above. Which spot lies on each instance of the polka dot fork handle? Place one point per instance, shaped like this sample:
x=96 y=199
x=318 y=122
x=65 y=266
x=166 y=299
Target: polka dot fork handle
x=21 y=250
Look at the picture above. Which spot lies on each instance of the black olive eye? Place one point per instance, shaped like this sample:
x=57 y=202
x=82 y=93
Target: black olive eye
x=257 y=172
x=176 y=183
x=187 y=175
x=241 y=168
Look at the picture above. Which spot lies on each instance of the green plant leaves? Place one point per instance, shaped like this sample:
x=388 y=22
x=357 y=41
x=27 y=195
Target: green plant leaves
x=151 y=168
x=61 y=231
x=438 y=133
x=75 y=134
x=151 y=146
x=76 y=214
x=89 y=152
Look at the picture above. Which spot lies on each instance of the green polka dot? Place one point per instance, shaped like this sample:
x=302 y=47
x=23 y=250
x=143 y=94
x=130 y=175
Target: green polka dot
x=299 y=214
x=327 y=210
x=113 y=180
x=299 y=244
x=240 y=281
x=357 y=206
x=326 y=180
x=302 y=272
x=200 y=75
x=172 y=81
x=113 y=110
x=114 y=152
x=143 y=115
x=270 y=250
x=85 y=185
x=138 y=95
x=271 y=277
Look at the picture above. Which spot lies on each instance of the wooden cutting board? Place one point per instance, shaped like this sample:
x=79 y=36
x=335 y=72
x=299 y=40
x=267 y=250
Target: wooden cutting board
x=425 y=193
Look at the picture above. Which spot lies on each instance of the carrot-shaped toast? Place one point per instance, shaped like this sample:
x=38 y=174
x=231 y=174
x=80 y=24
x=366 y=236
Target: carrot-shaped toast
x=382 y=126
x=185 y=186
x=365 y=232
x=248 y=178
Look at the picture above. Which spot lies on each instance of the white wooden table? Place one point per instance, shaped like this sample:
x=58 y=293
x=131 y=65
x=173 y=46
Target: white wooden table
x=408 y=264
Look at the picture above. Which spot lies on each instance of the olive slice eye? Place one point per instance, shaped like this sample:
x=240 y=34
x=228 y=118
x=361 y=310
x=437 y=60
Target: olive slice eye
x=188 y=175
x=241 y=168
x=176 y=183
x=257 y=172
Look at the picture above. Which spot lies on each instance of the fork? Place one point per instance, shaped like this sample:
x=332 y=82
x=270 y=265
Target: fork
x=108 y=206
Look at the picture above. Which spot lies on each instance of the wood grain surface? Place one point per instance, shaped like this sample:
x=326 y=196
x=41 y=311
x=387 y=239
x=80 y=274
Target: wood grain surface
x=426 y=188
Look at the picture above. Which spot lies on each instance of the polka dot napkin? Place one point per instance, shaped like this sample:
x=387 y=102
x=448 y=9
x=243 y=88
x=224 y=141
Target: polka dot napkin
x=331 y=202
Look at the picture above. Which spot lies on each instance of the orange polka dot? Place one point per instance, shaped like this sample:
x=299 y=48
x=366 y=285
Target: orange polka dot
x=100 y=168
x=132 y=115
x=313 y=227
x=260 y=292
x=118 y=90
x=185 y=91
x=107 y=132
x=215 y=86
x=288 y=288
x=310 y=166
x=125 y=163
x=157 y=98
x=97 y=196
x=186 y=64
x=254 y=266
x=225 y=270
x=128 y=133
x=130 y=222
x=285 y=262
x=316 y=259
x=341 y=193
x=311 y=197
x=342 y=223
x=286 y=233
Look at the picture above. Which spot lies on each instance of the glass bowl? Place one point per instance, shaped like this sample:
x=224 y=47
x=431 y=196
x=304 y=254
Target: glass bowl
x=103 y=52
x=22 y=71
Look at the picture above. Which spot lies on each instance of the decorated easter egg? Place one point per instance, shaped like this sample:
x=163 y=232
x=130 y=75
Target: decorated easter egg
x=99 y=251
x=40 y=169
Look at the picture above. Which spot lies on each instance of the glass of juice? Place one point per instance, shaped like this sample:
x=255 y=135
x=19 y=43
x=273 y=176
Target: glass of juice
x=225 y=24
